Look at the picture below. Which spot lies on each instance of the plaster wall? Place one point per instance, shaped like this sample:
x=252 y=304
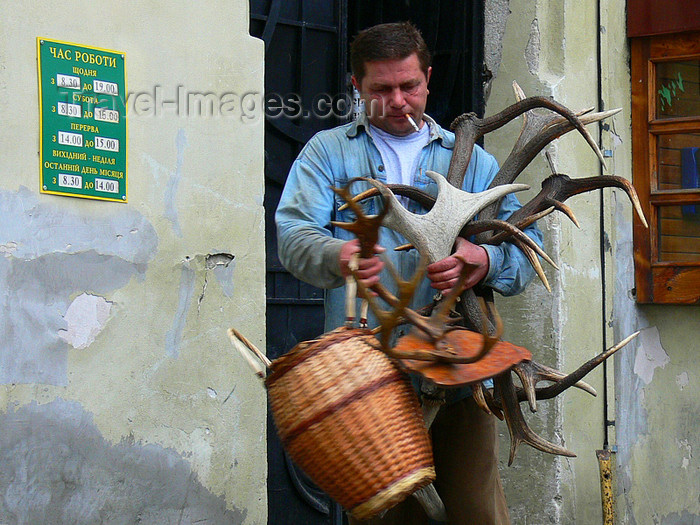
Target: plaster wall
x=120 y=398
x=657 y=381
x=551 y=49
x=534 y=319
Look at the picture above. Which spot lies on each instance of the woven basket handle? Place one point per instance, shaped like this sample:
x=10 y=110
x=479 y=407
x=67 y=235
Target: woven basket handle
x=259 y=363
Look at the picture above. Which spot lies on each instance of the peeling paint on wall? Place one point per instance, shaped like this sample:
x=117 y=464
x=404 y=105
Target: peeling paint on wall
x=532 y=51
x=220 y=264
x=58 y=469
x=32 y=226
x=650 y=354
x=56 y=253
x=86 y=317
x=495 y=18
x=684 y=445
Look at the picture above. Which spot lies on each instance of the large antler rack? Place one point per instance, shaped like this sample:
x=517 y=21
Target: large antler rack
x=537 y=131
x=435 y=347
x=452 y=356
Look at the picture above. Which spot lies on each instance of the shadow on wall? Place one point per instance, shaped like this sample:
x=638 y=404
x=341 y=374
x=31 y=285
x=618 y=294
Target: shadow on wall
x=56 y=468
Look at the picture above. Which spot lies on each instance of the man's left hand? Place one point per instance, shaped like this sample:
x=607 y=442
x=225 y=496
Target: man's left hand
x=444 y=274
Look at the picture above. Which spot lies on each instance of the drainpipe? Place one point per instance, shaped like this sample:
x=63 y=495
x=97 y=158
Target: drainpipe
x=604 y=455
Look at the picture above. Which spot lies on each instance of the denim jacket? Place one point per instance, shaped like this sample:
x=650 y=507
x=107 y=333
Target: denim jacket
x=309 y=245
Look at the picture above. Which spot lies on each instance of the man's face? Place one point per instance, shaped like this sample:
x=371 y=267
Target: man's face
x=391 y=89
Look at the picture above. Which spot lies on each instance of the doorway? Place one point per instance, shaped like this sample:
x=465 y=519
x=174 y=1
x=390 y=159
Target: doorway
x=306 y=50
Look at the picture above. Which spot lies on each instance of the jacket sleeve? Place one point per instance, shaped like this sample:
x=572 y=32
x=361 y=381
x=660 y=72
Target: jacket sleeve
x=306 y=246
x=509 y=270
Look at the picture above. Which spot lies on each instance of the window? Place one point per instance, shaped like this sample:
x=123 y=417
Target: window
x=666 y=166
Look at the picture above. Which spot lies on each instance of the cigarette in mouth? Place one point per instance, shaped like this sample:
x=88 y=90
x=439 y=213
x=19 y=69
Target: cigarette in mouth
x=413 y=122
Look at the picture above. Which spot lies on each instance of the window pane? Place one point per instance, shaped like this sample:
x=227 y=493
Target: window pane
x=678 y=89
x=679 y=161
x=679 y=232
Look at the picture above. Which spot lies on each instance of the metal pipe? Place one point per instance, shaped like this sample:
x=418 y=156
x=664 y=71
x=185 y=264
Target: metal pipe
x=606 y=486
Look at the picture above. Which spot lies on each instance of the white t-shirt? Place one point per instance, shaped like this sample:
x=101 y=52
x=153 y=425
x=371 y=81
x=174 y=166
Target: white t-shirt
x=400 y=154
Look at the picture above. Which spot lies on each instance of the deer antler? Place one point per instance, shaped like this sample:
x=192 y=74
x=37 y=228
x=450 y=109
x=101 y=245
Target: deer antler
x=559 y=187
x=434 y=233
x=469 y=128
x=505 y=397
x=537 y=131
x=519 y=431
x=365 y=227
x=450 y=214
x=561 y=382
x=526 y=244
x=436 y=339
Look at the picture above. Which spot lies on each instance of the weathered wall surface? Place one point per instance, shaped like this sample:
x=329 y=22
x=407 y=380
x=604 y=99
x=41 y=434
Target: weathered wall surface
x=657 y=381
x=551 y=49
x=551 y=325
x=120 y=400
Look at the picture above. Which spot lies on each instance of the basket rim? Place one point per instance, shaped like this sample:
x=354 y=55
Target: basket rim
x=394 y=493
x=307 y=349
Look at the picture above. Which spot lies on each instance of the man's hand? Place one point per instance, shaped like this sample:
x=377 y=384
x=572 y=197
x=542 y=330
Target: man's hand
x=444 y=274
x=368 y=269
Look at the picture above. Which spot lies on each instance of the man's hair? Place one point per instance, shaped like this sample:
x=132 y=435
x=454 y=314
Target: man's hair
x=394 y=41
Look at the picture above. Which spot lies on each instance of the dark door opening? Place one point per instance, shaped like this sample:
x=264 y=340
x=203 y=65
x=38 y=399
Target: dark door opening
x=306 y=50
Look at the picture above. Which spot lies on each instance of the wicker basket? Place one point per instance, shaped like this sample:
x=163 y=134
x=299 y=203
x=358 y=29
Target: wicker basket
x=350 y=419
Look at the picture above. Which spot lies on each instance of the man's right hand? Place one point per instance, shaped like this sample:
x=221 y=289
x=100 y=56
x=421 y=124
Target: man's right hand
x=368 y=269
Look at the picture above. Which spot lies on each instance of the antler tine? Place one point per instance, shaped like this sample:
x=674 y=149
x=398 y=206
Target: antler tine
x=560 y=206
x=484 y=399
x=469 y=128
x=534 y=262
x=574 y=377
x=517 y=427
x=508 y=230
x=518 y=159
x=531 y=373
x=423 y=198
x=504 y=235
x=557 y=188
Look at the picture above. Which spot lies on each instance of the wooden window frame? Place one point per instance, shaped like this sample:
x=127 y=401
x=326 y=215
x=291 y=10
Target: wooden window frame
x=658 y=281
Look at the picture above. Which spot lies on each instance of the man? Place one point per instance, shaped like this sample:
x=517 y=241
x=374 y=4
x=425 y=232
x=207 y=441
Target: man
x=391 y=70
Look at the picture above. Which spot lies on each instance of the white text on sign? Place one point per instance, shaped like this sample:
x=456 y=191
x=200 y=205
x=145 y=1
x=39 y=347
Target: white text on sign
x=106 y=115
x=110 y=186
x=70 y=181
x=70 y=139
x=67 y=81
x=106 y=144
x=69 y=110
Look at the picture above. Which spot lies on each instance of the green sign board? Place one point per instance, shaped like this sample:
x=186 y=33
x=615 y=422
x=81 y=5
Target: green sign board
x=82 y=106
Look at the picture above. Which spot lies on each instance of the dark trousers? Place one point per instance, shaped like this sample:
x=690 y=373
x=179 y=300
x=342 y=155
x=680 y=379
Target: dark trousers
x=465 y=452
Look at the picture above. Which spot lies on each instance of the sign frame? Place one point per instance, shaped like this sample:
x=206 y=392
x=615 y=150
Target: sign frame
x=83 y=131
